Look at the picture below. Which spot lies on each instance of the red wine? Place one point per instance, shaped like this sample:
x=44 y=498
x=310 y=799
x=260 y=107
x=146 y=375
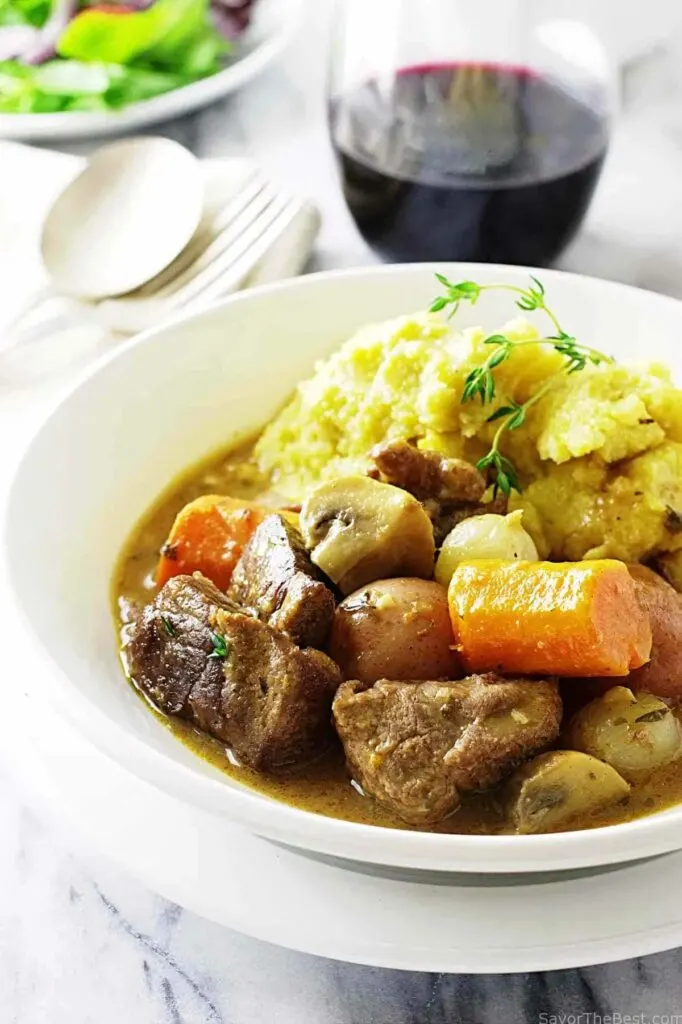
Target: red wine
x=462 y=162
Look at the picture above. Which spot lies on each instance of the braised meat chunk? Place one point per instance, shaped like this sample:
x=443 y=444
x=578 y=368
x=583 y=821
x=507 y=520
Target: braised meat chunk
x=276 y=578
x=275 y=703
x=427 y=474
x=199 y=656
x=450 y=489
x=415 y=747
x=170 y=652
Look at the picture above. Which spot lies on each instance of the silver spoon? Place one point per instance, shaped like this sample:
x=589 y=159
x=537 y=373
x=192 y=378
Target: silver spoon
x=123 y=220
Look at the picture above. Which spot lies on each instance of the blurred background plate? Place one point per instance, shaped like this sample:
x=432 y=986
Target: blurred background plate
x=274 y=23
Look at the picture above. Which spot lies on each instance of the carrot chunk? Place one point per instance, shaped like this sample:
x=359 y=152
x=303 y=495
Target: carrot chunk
x=549 y=618
x=208 y=536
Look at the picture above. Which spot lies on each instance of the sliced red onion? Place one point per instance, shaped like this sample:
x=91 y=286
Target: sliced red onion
x=44 y=48
x=136 y=5
x=232 y=5
x=15 y=40
x=231 y=17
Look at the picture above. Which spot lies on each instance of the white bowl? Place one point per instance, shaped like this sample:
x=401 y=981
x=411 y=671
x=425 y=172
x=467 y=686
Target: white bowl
x=160 y=403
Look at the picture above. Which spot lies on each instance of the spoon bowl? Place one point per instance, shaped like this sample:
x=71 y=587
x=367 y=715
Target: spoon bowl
x=124 y=219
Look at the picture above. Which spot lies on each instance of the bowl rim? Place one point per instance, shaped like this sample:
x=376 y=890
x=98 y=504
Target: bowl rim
x=273 y=819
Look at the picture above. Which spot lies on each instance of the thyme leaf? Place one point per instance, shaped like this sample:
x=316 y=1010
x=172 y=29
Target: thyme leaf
x=673 y=519
x=221 y=647
x=480 y=383
x=653 y=716
x=167 y=625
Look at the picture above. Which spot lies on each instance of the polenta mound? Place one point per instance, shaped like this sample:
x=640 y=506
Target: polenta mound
x=599 y=457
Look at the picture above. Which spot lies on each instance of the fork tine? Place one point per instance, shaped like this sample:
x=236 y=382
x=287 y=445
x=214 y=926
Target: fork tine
x=225 y=283
x=239 y=247
x=205 y=237
x=232 y=245
x=221 y=243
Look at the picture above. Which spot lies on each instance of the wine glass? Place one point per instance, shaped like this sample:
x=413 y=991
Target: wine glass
x=468 y=131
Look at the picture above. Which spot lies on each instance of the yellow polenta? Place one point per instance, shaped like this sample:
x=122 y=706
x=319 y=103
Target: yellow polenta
x=599 y=457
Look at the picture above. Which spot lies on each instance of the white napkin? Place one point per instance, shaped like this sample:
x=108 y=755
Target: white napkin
x=30 y=181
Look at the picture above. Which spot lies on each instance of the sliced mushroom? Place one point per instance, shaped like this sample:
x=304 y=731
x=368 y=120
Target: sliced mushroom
x=631 y=732
x=359 y=530
x=553 y=790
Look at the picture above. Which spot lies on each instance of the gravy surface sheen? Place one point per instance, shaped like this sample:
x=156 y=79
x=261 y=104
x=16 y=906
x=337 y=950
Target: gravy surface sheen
x=324 y=786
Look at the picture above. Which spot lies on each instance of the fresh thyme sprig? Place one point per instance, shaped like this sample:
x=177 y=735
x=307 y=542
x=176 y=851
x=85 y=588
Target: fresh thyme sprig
x=168 y=626
x=469 y=291
x=221 y=647
x=481 y=383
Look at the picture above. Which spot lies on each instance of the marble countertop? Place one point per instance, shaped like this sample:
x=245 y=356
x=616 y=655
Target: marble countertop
x=81 y=943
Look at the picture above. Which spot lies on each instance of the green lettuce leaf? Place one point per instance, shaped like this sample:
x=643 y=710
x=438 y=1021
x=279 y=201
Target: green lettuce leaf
x=133 y=85
x=22 y=12
x=18 y=93
x=62 y=85
x=172 y=34
x=72 y=78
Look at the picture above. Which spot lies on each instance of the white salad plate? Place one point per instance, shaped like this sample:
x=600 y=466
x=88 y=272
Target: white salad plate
x=165 y=399
x=274 y=23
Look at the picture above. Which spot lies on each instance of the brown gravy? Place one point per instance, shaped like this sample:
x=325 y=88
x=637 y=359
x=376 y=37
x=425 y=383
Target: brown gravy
x=324 y=786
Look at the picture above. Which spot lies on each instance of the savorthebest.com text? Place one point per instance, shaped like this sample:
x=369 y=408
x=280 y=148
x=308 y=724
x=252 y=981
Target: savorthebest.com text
x=609 y=1018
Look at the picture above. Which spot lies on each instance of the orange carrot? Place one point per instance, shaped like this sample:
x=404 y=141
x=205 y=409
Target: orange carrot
x=208 y=536
x=548 y=618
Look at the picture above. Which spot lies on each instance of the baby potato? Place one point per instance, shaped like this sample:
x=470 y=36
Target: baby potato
x=395 y=629
x=631 y=732
x=663 y=673
x=487 y=536
x=558 y=789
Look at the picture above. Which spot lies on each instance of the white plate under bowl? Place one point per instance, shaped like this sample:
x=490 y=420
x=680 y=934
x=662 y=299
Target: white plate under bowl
x=161 y=402
x=274 y=23
x=217 y=870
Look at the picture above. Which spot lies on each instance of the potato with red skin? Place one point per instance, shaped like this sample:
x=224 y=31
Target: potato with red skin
x=395 y=629
x=662 y=675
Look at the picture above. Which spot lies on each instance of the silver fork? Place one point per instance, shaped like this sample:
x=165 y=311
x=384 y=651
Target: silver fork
x=228 y=246
x=217 y=220
x=219 y=270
